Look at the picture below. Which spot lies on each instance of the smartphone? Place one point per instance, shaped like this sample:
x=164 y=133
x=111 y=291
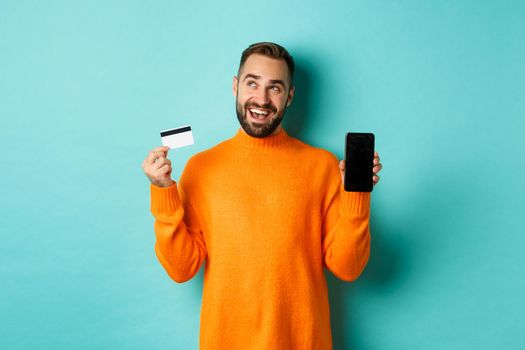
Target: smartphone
x=359 y=160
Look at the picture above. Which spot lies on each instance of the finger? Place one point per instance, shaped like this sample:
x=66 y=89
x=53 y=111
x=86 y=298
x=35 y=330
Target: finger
x=161 y=151
x=342 y=165
x=165 y=169
x=375 y=179
x=377 y=168
x=150 y=159
x=159 y=155
x=161 y=162
x=164 y=149
x=154 y=154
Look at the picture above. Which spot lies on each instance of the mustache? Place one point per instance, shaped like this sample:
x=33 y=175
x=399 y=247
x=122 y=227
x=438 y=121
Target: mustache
x=268 y=106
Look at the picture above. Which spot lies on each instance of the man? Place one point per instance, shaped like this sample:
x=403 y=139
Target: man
x=266 y=212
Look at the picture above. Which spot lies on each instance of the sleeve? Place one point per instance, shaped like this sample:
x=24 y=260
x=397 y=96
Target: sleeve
x=345 y=229
x=179 y=246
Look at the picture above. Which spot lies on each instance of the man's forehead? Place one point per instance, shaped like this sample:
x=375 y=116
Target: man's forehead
x=264 y=67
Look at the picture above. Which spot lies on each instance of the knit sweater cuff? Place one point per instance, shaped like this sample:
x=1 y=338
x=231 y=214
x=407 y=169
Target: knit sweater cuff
x=165 y=199
x=354 y=203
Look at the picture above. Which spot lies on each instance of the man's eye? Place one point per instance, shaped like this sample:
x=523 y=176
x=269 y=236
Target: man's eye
x=275 y=88
x=251 y=83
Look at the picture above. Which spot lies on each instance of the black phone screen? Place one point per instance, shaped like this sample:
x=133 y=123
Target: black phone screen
x=359 y=160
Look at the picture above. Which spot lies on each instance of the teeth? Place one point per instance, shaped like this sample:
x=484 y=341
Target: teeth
x=258 y=111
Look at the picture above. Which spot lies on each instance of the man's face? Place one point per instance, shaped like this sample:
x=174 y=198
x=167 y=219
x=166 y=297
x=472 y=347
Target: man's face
x=262 y=92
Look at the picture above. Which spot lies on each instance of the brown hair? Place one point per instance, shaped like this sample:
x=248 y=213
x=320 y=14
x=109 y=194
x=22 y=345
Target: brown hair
x=271 y=50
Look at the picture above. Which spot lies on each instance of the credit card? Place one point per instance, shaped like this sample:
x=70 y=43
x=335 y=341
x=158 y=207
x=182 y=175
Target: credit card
x=178 y=137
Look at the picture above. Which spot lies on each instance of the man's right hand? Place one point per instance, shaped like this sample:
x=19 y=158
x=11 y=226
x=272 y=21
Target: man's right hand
x=157 y=167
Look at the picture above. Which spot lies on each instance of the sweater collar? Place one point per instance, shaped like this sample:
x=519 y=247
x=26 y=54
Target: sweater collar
x=273 y=141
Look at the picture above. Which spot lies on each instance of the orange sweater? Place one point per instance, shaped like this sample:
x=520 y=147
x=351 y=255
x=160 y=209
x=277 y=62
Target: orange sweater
x=265 y=215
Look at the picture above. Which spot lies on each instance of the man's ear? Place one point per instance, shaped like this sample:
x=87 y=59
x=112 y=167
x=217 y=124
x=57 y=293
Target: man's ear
x=235 y=85
x=290 y=96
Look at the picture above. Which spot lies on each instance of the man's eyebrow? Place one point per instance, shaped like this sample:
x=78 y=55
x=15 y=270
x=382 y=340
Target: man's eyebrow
x=277 y=81
x=258 y=77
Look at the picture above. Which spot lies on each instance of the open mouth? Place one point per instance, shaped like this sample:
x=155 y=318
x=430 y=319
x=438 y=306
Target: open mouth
x=259 y=115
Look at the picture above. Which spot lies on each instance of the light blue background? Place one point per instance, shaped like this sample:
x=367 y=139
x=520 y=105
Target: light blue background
x=86 y=86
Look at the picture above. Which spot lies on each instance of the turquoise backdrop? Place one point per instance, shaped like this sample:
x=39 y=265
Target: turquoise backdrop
x=86 y=86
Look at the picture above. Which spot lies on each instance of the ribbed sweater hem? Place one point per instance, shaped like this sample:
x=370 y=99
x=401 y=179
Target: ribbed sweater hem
x=165 y=199
x=354 y=203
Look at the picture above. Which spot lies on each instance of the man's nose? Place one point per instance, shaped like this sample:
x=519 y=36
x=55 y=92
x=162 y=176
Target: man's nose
x=263 y=96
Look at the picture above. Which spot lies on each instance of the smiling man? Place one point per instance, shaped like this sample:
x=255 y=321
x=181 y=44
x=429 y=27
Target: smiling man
x=264 y=92
x=266 y=213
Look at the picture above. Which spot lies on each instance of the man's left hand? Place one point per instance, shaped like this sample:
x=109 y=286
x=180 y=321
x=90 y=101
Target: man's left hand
x=376 y=169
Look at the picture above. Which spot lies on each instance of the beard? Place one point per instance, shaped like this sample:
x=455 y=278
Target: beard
x=258 y=130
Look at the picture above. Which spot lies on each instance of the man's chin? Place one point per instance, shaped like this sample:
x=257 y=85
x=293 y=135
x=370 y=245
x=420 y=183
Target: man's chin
x=260 y=130
x=255 y=131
